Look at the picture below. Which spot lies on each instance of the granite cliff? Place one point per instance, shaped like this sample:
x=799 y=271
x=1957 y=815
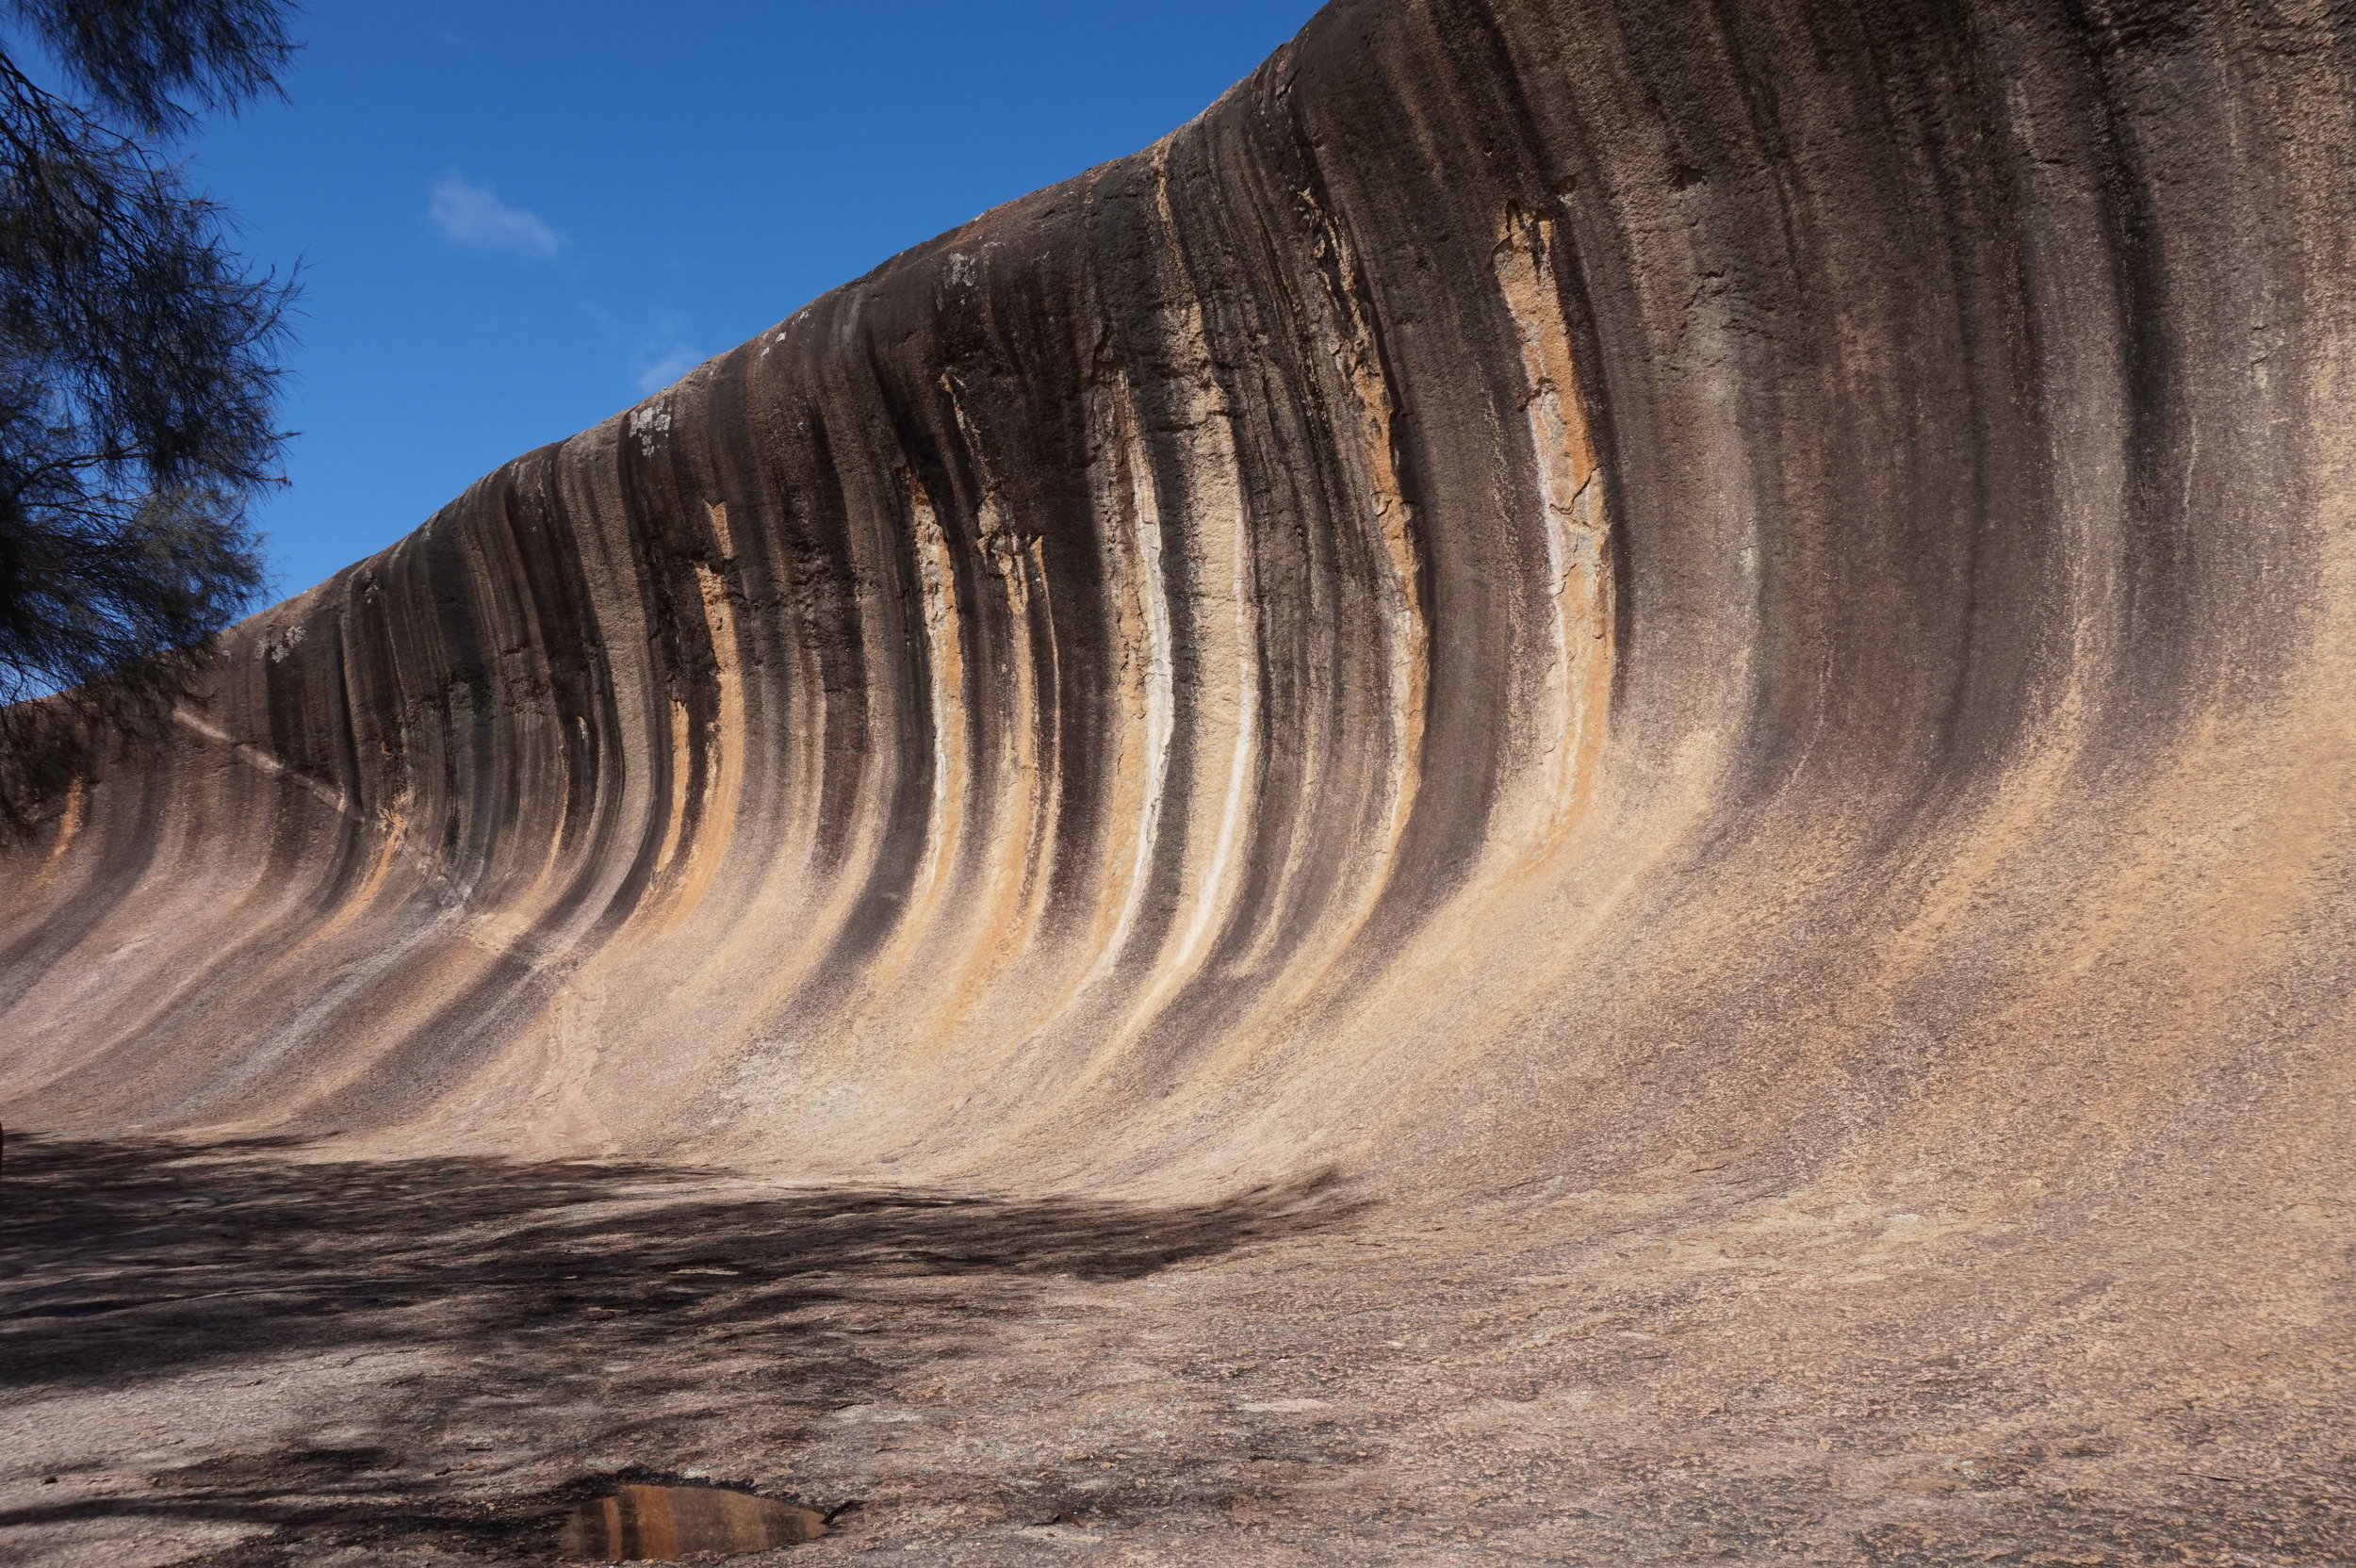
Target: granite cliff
x=1556 y=599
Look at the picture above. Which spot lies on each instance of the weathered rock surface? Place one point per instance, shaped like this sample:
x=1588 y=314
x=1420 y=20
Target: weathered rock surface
x=1726 y=625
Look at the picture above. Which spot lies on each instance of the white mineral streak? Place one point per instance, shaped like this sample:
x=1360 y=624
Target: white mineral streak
x=261 y=758
x=1222 y=593
x=1148 y=688
x=1570 y=500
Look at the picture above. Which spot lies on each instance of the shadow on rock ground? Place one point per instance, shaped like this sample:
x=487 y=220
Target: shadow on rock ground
x=244 y=1358
x=485 y=1314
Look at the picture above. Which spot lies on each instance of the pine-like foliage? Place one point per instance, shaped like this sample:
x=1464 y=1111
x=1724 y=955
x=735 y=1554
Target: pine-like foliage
x=137 y=363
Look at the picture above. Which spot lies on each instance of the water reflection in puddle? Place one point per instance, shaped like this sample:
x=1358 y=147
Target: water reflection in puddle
x=653 y=1524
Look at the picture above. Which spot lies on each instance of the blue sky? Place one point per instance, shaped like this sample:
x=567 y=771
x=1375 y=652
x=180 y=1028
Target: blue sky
x=516 y=216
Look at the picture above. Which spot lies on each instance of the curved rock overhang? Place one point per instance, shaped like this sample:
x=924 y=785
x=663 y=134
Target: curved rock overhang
x=1548 y=588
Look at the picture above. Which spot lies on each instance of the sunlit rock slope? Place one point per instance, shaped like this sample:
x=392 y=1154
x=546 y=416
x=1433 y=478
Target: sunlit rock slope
x=1552 y=589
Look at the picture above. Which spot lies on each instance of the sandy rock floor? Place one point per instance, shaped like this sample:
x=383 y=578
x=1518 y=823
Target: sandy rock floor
x=234 y=1355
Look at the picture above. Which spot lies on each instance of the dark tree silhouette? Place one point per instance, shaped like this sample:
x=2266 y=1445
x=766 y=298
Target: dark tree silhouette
x=137 y=364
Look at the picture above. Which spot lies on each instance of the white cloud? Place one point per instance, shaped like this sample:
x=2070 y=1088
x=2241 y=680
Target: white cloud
x=660 y=367
x=474 y=216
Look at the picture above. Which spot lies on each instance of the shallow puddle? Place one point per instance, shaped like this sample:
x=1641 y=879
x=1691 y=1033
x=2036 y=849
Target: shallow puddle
x=655 y=1523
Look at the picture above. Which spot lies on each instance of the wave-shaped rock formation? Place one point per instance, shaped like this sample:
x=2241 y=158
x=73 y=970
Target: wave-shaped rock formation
x=1690 y=625
x=1543 y=577
x=1529 y=537
x=1555 y=593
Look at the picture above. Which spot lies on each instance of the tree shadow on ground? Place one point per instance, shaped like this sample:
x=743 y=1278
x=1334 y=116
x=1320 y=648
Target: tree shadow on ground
x=626 y=1302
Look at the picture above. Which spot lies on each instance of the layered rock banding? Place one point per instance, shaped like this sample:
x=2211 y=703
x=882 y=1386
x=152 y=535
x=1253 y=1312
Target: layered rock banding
x=1549 y=593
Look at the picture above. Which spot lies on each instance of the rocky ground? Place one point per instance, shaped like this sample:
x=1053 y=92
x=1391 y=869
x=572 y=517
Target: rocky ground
x=236 y=1356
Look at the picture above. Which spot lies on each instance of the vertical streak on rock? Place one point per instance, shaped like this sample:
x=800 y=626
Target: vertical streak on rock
x=682 y=783
x=1570 y=497
x=945 y=704
x=945 y=735
x=1406 y=641
x=1406 y=645
x=1140 y=593
x=1021 y=829
x=718 y=749
x=799 y=898
x=1218 y=571
x=621 y=795
x=1015 y=829
x=1047 y=791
